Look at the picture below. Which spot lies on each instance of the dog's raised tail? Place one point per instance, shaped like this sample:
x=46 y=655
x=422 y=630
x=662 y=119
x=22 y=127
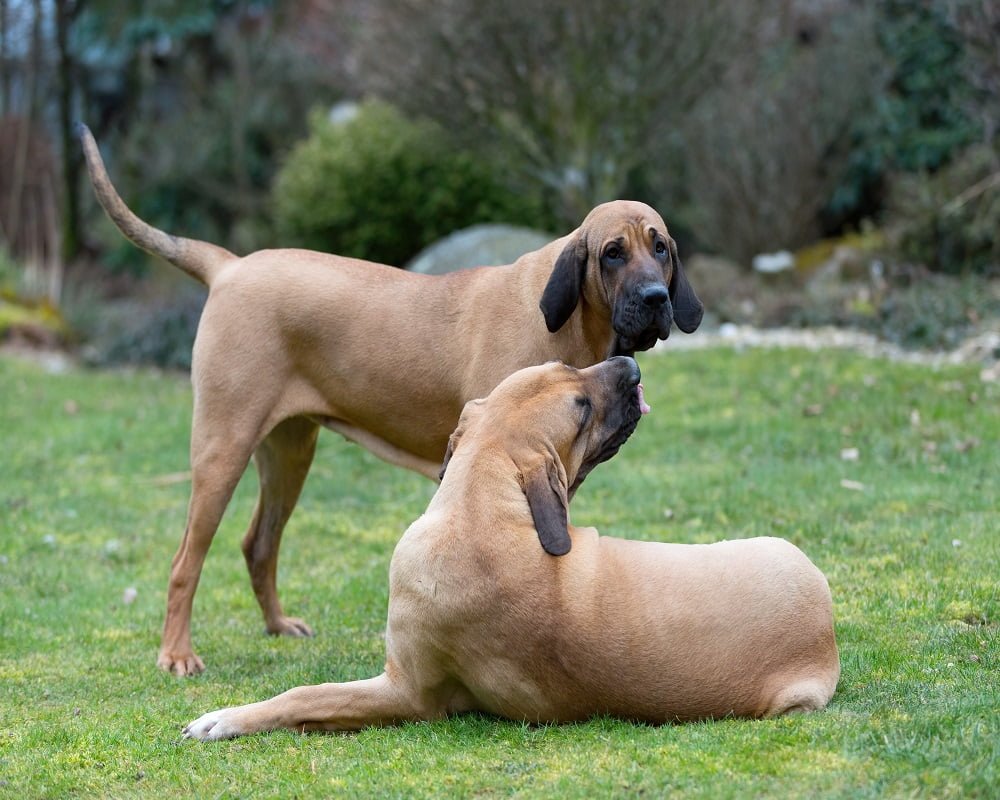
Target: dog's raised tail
x=200 y=260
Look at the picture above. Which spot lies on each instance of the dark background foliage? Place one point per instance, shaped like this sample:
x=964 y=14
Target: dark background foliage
x=752 y=125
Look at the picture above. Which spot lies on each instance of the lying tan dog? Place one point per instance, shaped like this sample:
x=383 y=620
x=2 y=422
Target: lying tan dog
x=481 y=618
x=291 y=340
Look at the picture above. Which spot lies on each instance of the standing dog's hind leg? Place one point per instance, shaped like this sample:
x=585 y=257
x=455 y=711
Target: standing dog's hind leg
x=283 y=460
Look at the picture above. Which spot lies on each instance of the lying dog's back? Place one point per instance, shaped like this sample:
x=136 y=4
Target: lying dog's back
x=641 y=630
x=712 y=630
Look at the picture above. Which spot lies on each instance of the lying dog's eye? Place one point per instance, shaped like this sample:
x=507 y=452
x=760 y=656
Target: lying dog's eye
x=583 y=401
x=613 y=253
x=661 y=248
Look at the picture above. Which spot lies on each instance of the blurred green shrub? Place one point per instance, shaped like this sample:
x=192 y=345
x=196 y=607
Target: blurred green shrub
x=949 y=220
x=203 y=125
x=933 y=311
x=164 y=337
x=380 y=187
x=909 y=306
x=920 y=117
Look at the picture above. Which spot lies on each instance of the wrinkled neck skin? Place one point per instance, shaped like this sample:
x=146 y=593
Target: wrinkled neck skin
x=590 y=324
x=481 y=486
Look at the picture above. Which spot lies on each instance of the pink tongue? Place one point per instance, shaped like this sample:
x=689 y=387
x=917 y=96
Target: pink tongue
x=643 y=406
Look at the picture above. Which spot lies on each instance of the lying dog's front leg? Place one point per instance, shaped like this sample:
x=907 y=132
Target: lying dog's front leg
x=328 y=706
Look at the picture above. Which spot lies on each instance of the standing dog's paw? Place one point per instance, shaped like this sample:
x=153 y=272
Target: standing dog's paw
x=289 y=626
x=214 y=725
x=180 y=664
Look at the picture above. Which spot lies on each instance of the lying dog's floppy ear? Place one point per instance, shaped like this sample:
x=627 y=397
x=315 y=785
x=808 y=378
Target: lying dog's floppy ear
x=562 y=292
x=687 y=307
x=546 y=495
x=470 y=411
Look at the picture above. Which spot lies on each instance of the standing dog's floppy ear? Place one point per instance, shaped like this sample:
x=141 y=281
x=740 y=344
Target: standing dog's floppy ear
x=687 y=307
x=471 y=410
x=546 y=493
x=562 y=292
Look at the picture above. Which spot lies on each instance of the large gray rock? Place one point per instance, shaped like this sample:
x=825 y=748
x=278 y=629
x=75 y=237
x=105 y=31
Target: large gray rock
x=478 y=246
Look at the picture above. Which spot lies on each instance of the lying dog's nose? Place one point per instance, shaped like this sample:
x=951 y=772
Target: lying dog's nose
x=654 y=296
x=629 y=368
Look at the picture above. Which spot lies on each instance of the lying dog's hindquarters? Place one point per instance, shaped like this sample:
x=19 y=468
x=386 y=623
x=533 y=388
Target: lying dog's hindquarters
x=291 y=340
x=481 y=618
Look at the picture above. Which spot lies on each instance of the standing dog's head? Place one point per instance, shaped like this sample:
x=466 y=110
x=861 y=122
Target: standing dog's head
x=555 y=424
x=622 y=258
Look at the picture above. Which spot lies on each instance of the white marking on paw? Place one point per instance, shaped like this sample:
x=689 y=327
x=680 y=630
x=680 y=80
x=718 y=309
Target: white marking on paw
x=213 y=726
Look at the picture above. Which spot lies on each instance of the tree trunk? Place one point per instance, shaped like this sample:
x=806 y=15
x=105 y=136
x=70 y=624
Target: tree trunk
x=30 y=114
x=4 y=66
x=65 y=11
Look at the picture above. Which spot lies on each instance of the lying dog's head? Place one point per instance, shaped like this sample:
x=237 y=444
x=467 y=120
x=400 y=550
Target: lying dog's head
x=556 y=424
x=622 y=258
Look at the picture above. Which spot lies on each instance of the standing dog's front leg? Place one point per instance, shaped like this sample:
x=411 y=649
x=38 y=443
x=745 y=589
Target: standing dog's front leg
x=328 y=706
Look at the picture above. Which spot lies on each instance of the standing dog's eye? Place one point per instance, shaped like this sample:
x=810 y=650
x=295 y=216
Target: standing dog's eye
x=613 y=253
x=661 y=248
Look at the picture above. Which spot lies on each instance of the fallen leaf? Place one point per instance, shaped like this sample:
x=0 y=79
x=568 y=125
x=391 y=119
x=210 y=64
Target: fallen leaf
x=854 y=486
x=129 y=595
x=71 y=407
x=849 y=454
x=812 y=411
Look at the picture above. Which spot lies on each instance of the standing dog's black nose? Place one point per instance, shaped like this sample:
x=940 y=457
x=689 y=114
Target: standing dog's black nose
x=654 y=296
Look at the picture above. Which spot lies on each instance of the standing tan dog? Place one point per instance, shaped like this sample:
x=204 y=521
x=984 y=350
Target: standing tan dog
x=481 y=618
x=292 y=340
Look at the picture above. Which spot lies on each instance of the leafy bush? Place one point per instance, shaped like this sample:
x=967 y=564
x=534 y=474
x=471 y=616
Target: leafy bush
x=164 y=337
x=908 y=306
x=934 y=311
x=381 y=187
x=193 y=104
x=920 y=119
x=949 y=220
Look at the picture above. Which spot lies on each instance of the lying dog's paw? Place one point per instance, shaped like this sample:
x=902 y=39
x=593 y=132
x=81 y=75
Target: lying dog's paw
x=214 y=725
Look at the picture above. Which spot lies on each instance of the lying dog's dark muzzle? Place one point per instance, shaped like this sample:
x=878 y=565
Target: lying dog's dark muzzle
x=622 y=416
x=629 y=407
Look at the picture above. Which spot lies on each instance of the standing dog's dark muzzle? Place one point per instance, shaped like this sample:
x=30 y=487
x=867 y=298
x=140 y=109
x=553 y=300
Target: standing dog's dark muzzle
x=641 y=317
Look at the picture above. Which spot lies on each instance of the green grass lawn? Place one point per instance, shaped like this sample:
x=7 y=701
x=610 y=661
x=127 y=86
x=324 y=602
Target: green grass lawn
x=93 y=499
